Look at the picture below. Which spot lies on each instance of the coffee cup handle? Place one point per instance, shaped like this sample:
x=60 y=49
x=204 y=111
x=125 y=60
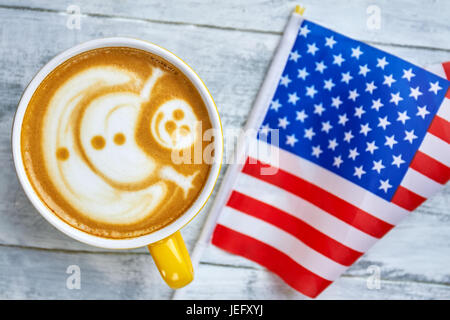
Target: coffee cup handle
x=173 y=261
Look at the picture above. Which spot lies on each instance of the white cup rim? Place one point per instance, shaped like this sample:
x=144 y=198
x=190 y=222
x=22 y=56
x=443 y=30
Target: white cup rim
x=80 y=235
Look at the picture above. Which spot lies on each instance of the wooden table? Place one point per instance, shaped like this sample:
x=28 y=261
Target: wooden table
x=230 y=44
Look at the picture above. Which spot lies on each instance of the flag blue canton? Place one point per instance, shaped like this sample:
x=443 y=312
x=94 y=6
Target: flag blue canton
x=352 y=109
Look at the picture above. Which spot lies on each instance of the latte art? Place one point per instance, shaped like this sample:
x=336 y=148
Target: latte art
x=97 y=141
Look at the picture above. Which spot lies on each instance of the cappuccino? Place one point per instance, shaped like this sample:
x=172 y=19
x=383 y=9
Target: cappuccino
x=98 y=139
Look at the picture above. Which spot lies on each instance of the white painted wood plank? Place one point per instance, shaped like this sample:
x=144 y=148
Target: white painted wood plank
x=419 y=23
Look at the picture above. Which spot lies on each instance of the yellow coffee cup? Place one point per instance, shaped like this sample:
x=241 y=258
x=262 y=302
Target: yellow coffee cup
x=166 y=244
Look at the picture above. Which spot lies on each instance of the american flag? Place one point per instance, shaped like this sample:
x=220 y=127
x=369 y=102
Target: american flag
x=362 y=139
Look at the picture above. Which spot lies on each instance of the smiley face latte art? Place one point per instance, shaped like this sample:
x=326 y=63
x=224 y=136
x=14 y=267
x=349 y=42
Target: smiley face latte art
x=98 y=138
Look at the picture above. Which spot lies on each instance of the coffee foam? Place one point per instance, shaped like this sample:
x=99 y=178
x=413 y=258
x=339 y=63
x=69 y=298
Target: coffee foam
x=114 y=175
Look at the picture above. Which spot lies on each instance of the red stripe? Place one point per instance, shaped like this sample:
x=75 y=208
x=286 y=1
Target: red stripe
x=447 y=95
x=310 y=236
x=440 y=128
x=298 y=277
x=321 y=198
x=430 y=167
x=446 y=66
x=407 y=199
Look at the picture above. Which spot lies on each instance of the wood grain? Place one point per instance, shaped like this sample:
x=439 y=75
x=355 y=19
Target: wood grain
x=421 y=23
x=42 y=274
x=230 y=47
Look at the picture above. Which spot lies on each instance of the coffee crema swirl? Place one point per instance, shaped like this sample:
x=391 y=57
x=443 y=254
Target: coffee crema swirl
x=98 y=136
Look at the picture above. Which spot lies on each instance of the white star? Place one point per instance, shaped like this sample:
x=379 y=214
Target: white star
x=336 y=102
x=382 y=62
x=348 y=136
x=302 y=73
x=377 y=166
x=402 y=117
x=389 y=80
x=408 y=74
x=312 y=49
x=293 y=98
x=304 y=31
x=346 y=77
x=285 y=81
x=337 y=161
x=311 y=91
x=353 y=153
x=390 y=141
x=359 y=172
x=397 y=160
x=370 y=87
x=320 y=66
x=309 y=133
x=365 y=129
x=422 y=112
x=337 y=59
x=319 y=109
x=275 y=105
x=301 y=116
x=410 y=136
x=384 y=185
x=342 y=119
x=383 y=122
x=332 y=144
x=316 y=151
x=376 y=104
x=291 y=140
x=395 y=98
x=330 y=42
x=371 y=147
x=294 y=56
x=283 y=122
x=363 y=70
x=434 y=87
x=328 y=84
x=415 y=93
x=326 y=126
x=359 y=112
x=356 y=52
x=353 y=94
x=264 y=129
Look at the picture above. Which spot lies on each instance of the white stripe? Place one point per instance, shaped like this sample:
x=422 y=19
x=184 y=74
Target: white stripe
x=282 y=241
x=305 y=211
x=420 y=184
x=329 y=181
x=444 y=110
x=437 y=69
x=436 y=148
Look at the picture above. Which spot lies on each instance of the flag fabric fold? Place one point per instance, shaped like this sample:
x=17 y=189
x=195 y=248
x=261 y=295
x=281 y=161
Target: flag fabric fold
x=348 y=140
